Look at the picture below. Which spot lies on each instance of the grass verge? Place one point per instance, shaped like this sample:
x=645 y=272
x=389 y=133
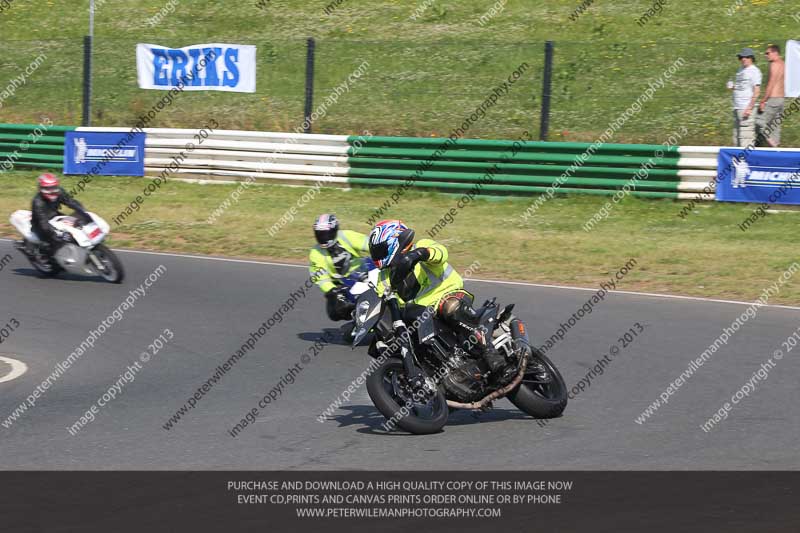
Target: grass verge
x=705 y=254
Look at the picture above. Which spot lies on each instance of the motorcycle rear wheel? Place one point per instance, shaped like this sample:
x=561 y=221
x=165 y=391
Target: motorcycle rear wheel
x=46 y=267
x=388 y=389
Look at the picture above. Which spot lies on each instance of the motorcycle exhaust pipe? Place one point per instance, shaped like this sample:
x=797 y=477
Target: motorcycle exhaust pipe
x=499 y=393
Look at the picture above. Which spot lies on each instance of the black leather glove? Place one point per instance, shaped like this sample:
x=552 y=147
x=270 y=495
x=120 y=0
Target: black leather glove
x=336 y=294
x=82 y=218
x=407 y=262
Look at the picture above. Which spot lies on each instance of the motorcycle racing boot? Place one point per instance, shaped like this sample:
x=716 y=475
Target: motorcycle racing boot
x=498 y=366
x=459 y=313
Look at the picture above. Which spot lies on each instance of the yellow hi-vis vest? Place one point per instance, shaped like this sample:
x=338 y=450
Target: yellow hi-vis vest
x=321 y=263
x=435 y=276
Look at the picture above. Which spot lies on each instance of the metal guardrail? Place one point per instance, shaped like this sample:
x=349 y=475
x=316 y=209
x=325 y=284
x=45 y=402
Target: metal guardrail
x=32 y=146
x=501 y=166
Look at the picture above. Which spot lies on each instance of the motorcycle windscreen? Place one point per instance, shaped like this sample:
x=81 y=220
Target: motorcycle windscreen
x=369 y=309
x=96 y=230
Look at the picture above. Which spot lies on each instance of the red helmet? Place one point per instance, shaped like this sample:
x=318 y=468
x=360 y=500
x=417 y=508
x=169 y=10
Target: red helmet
x=49 y=186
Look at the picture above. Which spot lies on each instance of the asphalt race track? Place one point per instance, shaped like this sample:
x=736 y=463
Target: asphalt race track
x=212 y=306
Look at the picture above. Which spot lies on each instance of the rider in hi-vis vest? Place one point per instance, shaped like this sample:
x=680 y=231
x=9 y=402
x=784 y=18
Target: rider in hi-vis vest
x=420 y=275
x=337 y=253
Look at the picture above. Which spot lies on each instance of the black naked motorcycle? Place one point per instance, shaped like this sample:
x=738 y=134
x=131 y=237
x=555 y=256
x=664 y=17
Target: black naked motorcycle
x=422 y=370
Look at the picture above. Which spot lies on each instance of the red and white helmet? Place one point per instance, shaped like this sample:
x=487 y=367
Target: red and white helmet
x=49 y=186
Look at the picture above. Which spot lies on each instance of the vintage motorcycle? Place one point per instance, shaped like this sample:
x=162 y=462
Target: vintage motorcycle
x=422 y=370
x=82 y=251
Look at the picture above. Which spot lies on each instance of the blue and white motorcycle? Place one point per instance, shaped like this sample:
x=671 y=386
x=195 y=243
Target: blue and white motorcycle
x=355 y=284
x=358 y=281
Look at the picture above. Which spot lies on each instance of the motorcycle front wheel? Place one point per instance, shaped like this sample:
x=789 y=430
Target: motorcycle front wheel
x=112 y=266
x=542 y=393
x=389 y=389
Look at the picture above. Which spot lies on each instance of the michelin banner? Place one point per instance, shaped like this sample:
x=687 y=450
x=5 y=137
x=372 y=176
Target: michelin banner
x=106 y=154
x=758 y=176
x=201 y=67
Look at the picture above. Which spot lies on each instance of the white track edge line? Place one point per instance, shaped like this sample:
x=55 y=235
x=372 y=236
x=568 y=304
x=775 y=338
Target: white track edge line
x=494 y=281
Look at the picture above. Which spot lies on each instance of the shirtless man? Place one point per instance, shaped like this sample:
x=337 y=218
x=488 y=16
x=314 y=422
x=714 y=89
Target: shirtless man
x=771 y=106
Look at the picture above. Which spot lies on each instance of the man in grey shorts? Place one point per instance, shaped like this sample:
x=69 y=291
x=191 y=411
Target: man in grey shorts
x=770 y=109
x=745 y=95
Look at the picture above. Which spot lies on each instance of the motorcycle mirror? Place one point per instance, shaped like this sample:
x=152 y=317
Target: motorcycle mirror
x=506 y=313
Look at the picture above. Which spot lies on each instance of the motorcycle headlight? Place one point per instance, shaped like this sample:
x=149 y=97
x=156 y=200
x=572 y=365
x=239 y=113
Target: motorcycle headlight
x=361 y=312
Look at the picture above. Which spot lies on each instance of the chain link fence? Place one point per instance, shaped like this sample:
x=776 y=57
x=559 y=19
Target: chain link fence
x=414 y=88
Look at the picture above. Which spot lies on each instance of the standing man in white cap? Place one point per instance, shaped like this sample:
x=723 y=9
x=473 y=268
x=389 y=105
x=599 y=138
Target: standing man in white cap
x=746 y=90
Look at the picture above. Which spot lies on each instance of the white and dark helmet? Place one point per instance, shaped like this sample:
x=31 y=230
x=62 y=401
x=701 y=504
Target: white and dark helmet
x=326 y=227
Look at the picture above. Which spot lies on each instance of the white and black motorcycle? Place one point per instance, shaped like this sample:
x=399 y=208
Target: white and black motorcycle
x=83 y=251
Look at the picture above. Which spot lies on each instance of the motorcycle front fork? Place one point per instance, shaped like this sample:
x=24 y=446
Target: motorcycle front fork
x=96 y=262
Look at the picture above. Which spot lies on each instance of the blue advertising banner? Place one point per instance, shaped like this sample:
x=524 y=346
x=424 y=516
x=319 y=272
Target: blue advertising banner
x=102 y=153
x=758 y=176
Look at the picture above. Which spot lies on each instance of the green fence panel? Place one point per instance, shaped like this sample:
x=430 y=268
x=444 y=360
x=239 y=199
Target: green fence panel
x=32 y=127
x=27 y=164
x=508 y=168
x=26 y=156
x=511 y=179
x=528 y=146
x=23 y=146
x=36 y=147
x=43 y=138
x=508 y=189
x=482 y=155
